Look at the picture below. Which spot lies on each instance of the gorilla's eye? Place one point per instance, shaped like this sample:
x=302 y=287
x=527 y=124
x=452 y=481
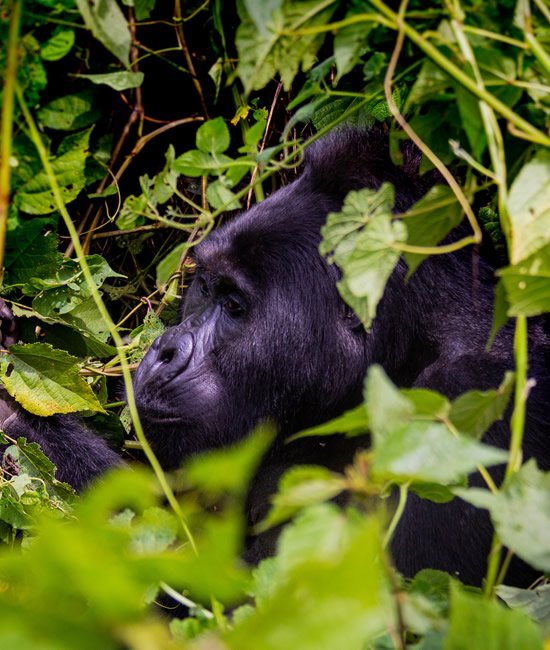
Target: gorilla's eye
x=203 y=287
x=233 y=307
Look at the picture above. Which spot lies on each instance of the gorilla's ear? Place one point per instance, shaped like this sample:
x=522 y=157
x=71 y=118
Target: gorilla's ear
x=351 y=159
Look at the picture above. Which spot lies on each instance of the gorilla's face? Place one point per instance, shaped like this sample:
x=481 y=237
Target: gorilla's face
x=263 y=335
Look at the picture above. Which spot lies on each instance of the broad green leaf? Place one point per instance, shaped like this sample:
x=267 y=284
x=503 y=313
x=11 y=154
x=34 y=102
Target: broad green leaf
x=58 y=45
x=122 y=80
x=36 y=195
x=31 y=250
x=71 y=112
x=255 y=133
x=387 y=408
x=146 y=333
x=46 y=381
x=85 y=317
x=199 y=163
x=220 y=196
x=429 y=220
x=213 y=136
x=520 y=512
x=529 y=208
x=61 y=334
x=229 y=469
x=301 y=486
x=527 y=285
x=153 y=532
x=264 y=50
x=168 y=265
x=428 y=452
x=335 y=587
x=133 y=212
x=476 y=622
x=353 y=423
x=34 y=464
x=428 y=402
x=108 y=24
x=360 y=240
x=69 y=288
x=350 y=41
x=475 y=411
x=165 y=181
x=12 y=511
x=534 y=602
x=468 y=107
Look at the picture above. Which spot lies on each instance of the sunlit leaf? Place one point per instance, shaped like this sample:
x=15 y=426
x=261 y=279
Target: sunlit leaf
x=46 y=381
x=520 y=512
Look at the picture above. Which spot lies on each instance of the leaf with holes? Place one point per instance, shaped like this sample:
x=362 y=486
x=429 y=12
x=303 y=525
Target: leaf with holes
x=45 y=381
x=36 y=196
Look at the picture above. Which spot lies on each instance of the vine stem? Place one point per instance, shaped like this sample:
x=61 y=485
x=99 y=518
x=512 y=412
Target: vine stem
x=7 y=125
x=520 y=398
x=161 y=477
x=476 y=237
x=403 y=493
x=463 y=79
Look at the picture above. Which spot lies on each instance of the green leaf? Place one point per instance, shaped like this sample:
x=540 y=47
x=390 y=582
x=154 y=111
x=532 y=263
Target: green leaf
x=527 y=285
x=58 y=45
x=353 y=423
x=46 y=381
x=220 y=196
x=428 y=402
x=387 y=408
x=429 y=220
x=229 y=469
x=475 y=411
x=108 y=24
x=428 y=452
x=77 y=341
x=199 y=163
x=409 y=449
x=31 y=250
x=122 y=80
x=529 y=208
x=165 y=181
x=255 y=133
x=468 y=107
x=520 y=512
x=36 y=195
x=70 y=112
x=333 y=583
x=168 y=265
x=350 y=41
x=35 y=464
x=360 y=240
x=479 y=623
x=133 y=212
x=153 y=532
x=69 y=288
x=534 y=602
x=264 y=50
x=213 y=136
x=301 y=486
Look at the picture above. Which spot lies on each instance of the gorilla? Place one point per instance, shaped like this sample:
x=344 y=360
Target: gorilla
x=263 y=334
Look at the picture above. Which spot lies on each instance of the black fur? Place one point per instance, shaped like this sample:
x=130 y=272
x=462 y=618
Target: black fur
x=264 y=334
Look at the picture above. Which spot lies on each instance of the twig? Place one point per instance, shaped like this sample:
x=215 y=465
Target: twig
x=178 y=19
x=269 y=117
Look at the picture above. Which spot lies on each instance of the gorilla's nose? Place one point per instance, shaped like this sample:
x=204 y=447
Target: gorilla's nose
x=174 y=350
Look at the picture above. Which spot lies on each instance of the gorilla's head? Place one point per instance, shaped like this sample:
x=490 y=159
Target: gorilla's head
x=263 y=332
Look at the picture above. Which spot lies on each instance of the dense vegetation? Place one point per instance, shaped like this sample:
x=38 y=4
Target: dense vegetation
x=129 y=132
